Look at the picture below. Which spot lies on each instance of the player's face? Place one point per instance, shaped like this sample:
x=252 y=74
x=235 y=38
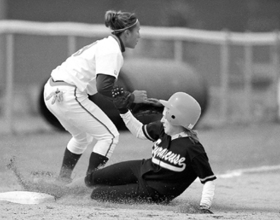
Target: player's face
x=133 y=36
x=168 y=127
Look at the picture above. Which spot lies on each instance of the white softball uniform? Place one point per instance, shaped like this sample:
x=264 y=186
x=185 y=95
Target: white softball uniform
x=76 y=78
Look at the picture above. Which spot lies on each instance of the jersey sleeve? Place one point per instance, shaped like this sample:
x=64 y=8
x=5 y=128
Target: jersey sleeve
x=202 y=168
x=109 y=63
x=133 y=125
x=105 y=84
x=153 y=130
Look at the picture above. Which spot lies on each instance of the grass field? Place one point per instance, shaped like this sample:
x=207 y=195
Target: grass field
x=229 y=148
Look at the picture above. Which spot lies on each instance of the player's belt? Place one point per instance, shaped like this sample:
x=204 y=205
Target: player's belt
x=59 y=83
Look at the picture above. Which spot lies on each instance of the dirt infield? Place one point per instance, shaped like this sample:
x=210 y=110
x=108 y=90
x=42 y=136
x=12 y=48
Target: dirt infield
x=250 y=196
x=245 y=160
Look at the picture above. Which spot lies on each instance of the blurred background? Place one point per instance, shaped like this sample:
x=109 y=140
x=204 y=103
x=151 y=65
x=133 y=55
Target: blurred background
x=241 y=75
x=234 y=15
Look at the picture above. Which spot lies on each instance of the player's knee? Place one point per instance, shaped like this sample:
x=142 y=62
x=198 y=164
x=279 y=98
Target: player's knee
x=78 y=146
x=110 y=140
x=116 y=139
x=106 y=145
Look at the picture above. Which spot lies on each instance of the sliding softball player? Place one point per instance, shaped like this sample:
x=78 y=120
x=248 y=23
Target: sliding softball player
x=178 y=157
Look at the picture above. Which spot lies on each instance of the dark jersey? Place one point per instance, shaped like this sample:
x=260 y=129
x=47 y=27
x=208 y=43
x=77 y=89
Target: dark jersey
x=175 y=163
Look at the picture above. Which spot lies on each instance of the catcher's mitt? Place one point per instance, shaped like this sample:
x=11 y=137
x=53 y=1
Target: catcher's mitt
x=121 y=99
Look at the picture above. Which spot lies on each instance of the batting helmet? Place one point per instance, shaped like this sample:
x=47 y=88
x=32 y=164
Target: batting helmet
x=182 y=109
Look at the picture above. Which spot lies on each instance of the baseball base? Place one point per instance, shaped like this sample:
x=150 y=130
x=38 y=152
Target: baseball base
x=25 y=197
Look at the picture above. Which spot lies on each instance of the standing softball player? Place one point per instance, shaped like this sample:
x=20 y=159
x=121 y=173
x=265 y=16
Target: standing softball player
x=93 y=69
x=178 y=158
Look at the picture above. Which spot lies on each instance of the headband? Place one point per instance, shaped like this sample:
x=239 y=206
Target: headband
x=123 y=29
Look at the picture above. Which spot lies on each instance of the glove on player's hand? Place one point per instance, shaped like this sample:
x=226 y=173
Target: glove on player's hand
x=56 y=96
x=121 y=99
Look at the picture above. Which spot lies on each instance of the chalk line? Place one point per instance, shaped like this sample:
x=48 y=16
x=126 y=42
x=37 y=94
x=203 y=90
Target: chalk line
x=239 y=172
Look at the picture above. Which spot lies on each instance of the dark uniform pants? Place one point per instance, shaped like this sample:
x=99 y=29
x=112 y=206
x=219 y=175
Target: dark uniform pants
x=122 y=182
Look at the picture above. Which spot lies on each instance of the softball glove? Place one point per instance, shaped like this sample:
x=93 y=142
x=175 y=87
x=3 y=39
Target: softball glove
x=122 y=99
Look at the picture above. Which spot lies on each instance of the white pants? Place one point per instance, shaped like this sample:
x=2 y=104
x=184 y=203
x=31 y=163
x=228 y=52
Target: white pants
x=83 y=119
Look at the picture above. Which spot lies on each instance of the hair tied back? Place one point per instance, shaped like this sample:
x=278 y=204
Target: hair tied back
x=114 y=16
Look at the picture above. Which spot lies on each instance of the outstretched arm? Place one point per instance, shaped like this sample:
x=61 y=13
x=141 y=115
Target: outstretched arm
x=134 y=126
x=203 y=169
x=207 y=196
x=121 y=100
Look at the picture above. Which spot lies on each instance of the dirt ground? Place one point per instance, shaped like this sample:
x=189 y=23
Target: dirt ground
x=249 y=195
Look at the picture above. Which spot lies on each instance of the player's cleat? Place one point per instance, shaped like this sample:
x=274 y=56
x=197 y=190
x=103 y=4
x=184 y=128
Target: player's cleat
x=205 y=211
x=69 y=162
x=77 y=183
x=87 y=181
x=62 y=181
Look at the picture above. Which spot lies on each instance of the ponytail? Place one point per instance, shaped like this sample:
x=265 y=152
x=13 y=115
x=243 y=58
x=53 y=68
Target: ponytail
x=192 y=135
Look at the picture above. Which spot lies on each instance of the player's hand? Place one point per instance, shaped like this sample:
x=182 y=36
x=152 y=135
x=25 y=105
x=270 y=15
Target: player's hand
x=153 y=101
x=57 y=96
x=140 y=96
